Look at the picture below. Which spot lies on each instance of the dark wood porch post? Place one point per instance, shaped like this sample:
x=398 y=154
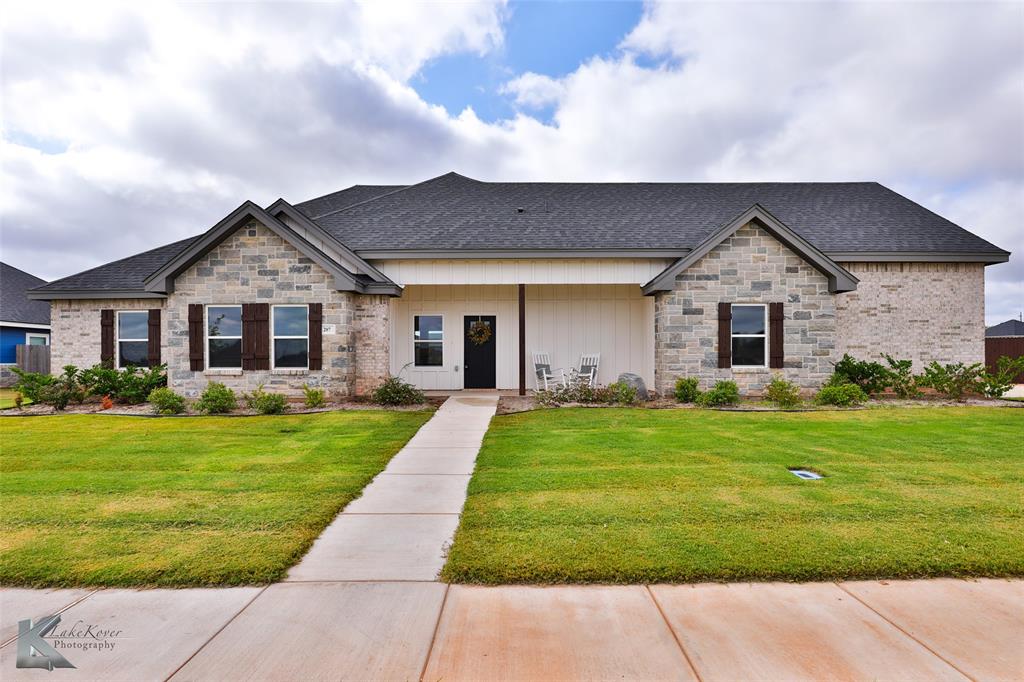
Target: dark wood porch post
x=522 y=339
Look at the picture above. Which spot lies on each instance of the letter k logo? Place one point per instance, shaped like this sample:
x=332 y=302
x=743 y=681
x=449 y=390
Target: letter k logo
x=36 y=652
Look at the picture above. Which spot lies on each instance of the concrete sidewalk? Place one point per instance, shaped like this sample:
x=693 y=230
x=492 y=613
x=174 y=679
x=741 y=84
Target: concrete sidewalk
x=899 y=630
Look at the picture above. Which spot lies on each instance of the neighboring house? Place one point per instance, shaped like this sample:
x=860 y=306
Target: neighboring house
x=1005 y=338
x=22 y=321
x=718 y=281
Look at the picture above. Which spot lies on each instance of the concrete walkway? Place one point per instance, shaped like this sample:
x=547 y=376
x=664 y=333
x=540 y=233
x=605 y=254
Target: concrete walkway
x=899 y=630
x=402 y=525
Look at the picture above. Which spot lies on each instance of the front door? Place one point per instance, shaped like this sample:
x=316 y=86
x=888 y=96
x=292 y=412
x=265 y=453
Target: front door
x=479 y=342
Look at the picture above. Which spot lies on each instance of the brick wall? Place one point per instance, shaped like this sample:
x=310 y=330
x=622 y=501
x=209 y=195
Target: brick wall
x=372 y=342
x=75 y=328
x=916 y=311
x=749 y=267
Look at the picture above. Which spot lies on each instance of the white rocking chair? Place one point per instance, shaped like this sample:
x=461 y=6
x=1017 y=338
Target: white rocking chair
x=586 y=374
x=547 y=378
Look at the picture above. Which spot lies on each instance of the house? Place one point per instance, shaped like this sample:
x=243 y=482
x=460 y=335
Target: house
x=1005 y=338
x=1010 y=329
x=719 y=281
x=22 y=321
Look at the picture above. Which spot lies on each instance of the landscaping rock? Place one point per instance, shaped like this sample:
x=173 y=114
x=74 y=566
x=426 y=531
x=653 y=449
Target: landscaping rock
x=637 y=382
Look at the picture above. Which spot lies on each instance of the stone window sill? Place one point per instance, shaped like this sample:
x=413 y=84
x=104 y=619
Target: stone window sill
x=290 y=372
x=751 y=370
x=223 y=373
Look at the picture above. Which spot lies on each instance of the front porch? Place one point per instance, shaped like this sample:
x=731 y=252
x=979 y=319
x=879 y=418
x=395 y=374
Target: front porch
x=430 y=347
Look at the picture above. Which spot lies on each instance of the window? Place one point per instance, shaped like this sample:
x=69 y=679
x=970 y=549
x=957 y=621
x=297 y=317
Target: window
x=749 y=337
x=291 y=336
x=428 y=340
x=132 y=338
x=224 y=336
x=37 y=339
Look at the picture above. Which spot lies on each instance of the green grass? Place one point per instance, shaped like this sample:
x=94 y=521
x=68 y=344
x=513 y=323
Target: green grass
x=102 y=500
x=7 y=398
x=629 y=496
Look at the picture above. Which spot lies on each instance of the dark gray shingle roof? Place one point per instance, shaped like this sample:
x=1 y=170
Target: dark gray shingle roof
x=128 y=273
x=14 y=305
x=455 y=212
x=335 y=201
x=1008 y=328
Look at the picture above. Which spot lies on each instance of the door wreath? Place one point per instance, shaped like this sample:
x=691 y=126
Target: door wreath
x=479 y=332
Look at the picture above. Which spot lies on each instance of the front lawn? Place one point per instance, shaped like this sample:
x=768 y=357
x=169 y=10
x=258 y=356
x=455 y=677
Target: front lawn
x=613 y=495
x=103 y=500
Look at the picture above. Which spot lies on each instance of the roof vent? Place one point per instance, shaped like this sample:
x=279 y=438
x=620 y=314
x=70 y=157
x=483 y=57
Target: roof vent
x=805 y=474
x=520 y=210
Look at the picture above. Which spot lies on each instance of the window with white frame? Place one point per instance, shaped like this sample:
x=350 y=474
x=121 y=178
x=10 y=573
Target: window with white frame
x=749 y=335
x=132 y=338
x=428 y=340
x=224 y=336
x=37 y=339
x=291 y=336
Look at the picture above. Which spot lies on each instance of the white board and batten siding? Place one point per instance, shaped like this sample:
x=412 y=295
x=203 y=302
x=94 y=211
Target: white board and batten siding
x=524 y=271
x=565 y=320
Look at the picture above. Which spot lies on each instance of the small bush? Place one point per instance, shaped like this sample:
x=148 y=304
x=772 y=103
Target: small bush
x=19 y=400
x=783 y=393
x=620 y=393
x=266 y=403
x=724 y=393
x=901 y=378
x=872 y=377
x=61 y=390
x=995 y=384
x=106 y=402
x=216 y=398
x=841 y=395
x=131 y=385
x=394 y=391
x=166 y=401
x=314 y=397
x=954 y=380
x=31 y=384
x=687 y=389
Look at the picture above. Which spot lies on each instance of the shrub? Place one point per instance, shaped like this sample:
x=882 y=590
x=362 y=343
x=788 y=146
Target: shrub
x=106 y=403
x=266 y=403
x=901 y=378
x=216 y=398
x=872 y=377
x=954 y=380
x=57 y=391
x=620 y=393
x=19 y=400
x=687 y=389
x=842 y=395
x=31 y=384
x=166 y=401
x=783 y=393
x=130 y=385
x=394 y=391
x=314 y=397
x=723 y=393
x=995 y=384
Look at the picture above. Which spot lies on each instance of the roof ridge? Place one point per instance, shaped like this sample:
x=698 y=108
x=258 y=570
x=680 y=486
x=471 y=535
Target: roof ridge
x=24 y=272
x=388 y=194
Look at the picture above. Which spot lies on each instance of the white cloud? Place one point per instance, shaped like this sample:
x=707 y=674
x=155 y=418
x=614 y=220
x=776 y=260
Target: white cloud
x=172 y=114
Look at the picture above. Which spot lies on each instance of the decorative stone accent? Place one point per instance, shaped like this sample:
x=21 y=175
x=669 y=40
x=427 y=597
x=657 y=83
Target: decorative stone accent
x=749 y=267
x=914 y=311
x=75 y=328
x=637 y=382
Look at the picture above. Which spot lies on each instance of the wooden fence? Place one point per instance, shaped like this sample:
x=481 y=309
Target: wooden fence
x=997 y=347
x=33 y=358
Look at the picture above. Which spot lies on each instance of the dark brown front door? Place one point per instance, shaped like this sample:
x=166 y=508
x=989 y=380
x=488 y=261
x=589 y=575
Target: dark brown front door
x=479 y=361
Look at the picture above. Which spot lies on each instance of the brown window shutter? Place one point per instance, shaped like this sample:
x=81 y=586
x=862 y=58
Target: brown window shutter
x=154 y=337
x=248 y=337
x=261 y=334
x=725 y=334
x=195 y=337
x=776 y=354
x=316 y=319
x=107 y=337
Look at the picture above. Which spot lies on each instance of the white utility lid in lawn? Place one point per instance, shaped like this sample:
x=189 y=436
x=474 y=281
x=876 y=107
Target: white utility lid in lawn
x=805 y=474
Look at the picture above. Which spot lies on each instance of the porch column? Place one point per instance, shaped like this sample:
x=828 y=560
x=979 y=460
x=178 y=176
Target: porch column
x=522 y=339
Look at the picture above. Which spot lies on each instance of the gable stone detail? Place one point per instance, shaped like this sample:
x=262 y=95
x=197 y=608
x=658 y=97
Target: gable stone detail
x=751 y=266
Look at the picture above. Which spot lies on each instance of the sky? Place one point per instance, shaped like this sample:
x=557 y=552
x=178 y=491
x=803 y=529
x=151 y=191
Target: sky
x=128 y=126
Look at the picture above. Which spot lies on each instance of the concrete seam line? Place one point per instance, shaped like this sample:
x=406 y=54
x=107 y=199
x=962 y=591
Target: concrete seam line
x=433 y=636
x=679 y=642
x=219 y=630
x=59 y=611
x=930 y=650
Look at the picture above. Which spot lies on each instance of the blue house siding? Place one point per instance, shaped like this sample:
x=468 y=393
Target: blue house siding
x=11 y=337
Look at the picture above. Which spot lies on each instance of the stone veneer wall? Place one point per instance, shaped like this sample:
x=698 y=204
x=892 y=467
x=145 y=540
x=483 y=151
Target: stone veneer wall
x=749 y=267
x=75 y=328
x=916 y=311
